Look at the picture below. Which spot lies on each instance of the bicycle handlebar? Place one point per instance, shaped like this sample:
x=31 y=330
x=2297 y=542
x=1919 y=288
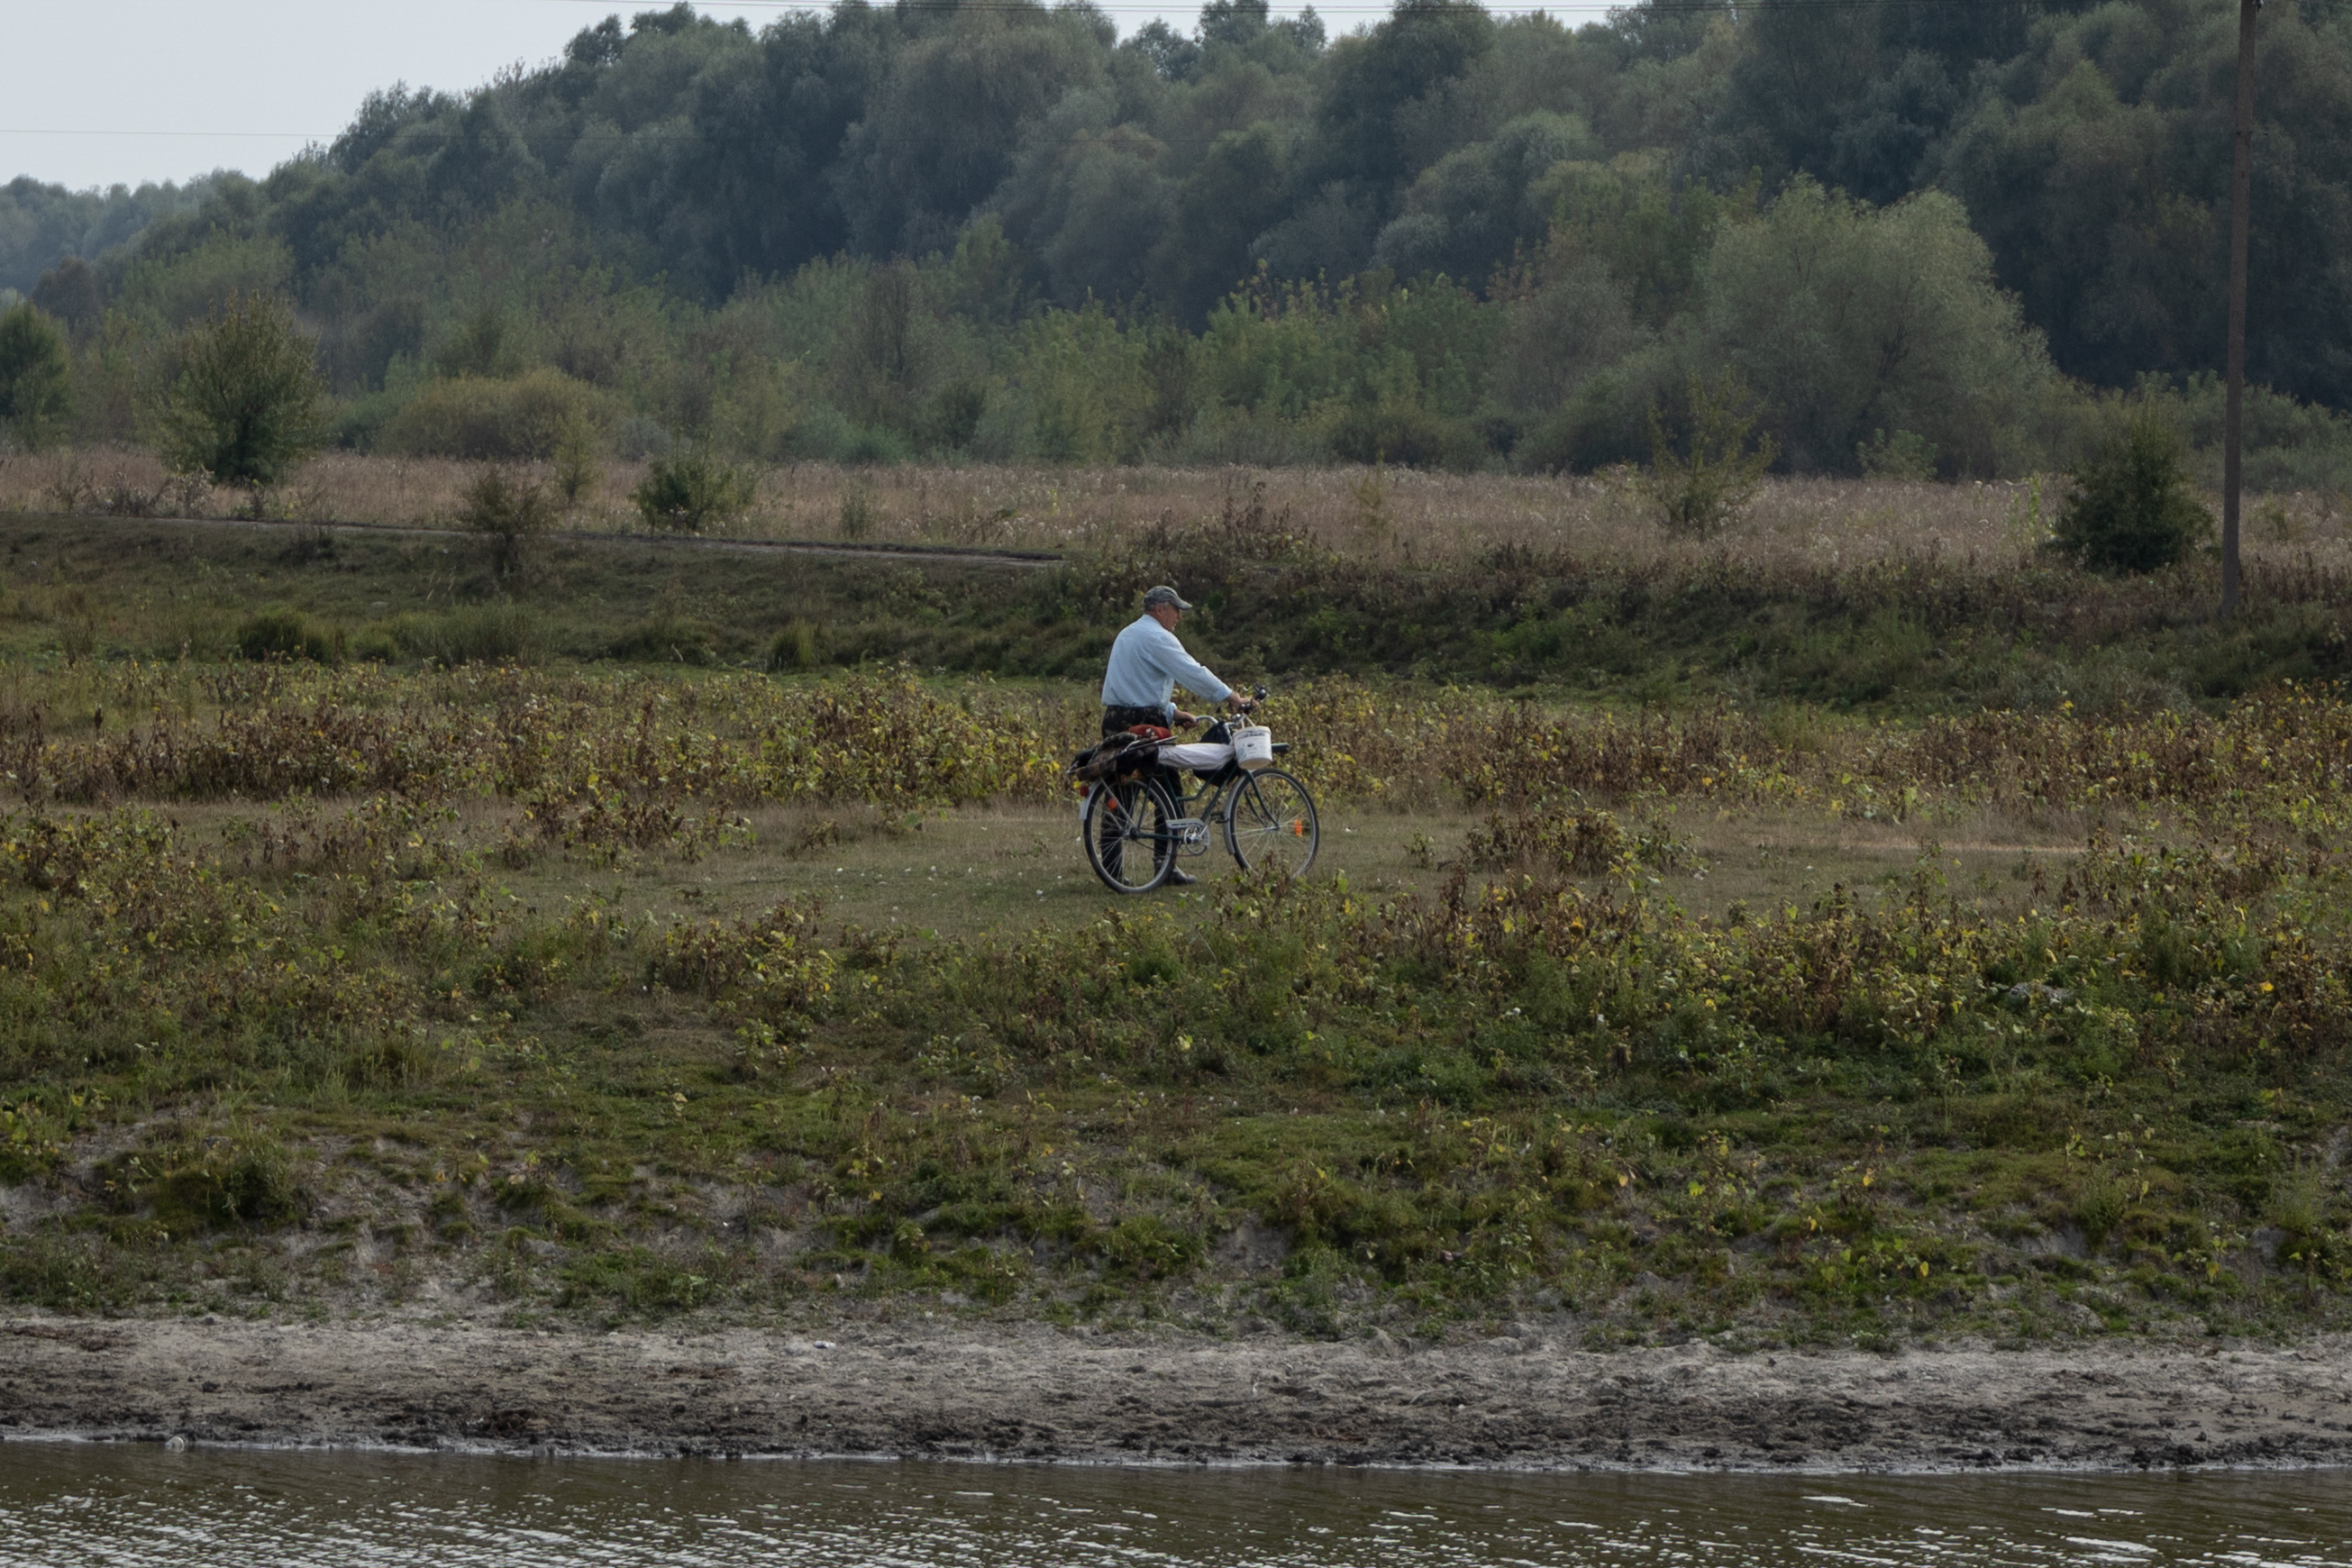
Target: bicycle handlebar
x=1257 y=695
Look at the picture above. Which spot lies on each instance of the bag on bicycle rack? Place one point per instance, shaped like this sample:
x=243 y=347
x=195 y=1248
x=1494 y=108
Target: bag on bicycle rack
x=1200 y=757
x=1221 y=735
x=1118 y=757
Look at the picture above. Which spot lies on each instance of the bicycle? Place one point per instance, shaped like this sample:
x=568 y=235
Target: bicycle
x=1133 y=829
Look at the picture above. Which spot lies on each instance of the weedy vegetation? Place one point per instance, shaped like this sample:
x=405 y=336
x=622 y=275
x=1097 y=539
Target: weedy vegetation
x=355 y=956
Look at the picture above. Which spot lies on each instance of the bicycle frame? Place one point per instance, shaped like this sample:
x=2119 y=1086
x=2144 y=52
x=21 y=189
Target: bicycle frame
x=1197 y=808
x=1206 y=793
x=1115 y=825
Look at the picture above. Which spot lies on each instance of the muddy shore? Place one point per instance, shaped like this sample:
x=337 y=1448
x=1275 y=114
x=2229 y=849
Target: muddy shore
x=1048 y=1394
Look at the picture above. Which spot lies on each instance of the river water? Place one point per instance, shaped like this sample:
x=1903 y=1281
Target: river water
x=137 y=1504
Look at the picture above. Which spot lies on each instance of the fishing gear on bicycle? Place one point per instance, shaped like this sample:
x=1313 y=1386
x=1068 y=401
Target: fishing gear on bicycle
x=1197 y=756
x=1120 y=756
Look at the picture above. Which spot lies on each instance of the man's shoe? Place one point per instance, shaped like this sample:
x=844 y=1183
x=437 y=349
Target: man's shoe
x=1181 y=878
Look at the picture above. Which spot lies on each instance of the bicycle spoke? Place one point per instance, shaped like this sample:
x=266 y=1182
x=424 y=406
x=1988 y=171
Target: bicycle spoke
x=1125 y=829
x=1272 y=824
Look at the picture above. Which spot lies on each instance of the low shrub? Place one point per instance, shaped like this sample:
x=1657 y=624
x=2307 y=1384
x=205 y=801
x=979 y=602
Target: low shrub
x=470 y=633
x=283 y=635
x=495 y=418
x=873 y=445
x=797 y=647
x=1408 y=435
x=954 y=415
x=1568 y=839
x=1237 y=437
x=1906 y=454
x=665 y=639
x=2131 y=509
x=857 y=512
x=1601 y=423
x=248 y=1178
x=576 y=472
x=508 y=511
x=1704 y=480
x=692 y=491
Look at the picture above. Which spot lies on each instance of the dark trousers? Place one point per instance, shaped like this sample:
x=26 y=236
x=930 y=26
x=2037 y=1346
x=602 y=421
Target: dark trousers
x=1118 y=722
x=1115 y=720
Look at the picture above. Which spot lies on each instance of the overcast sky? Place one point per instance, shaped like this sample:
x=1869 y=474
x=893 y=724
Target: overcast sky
x=97 y=91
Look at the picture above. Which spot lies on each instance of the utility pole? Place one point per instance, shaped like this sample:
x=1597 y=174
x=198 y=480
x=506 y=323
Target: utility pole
x=2233 y=416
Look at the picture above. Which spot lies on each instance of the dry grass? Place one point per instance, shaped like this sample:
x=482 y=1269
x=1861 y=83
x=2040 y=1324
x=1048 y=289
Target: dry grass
x=1401 y=516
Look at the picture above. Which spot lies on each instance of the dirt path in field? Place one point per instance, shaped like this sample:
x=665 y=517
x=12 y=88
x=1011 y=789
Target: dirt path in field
x=957 y=555
x=1037 y=1393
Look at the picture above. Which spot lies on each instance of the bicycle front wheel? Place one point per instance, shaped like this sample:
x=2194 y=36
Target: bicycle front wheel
x=1270 y=823
x=1125 y=827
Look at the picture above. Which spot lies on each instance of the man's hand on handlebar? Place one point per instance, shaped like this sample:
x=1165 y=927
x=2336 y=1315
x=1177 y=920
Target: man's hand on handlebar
x=1233 y=700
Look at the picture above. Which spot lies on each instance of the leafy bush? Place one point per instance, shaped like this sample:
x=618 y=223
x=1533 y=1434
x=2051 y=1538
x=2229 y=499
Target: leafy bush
x=1408 y=435
x=954 y=415
x=1712 y=478
x=1601 y=424
x=2131 y=510
x=665 y=638
x=2289 y=445
x=872 y=445
x=495 y=418
x=471 y=633
x=856 y=512
x=796 y=648
x=35 y=388
x=1906 y=454
x=242 y=400
x=691 y=490
x=248 y=1178
x=576 y=473
x=1219 y=438
x=282 y=636
x=1570 y=839
x=507 y=512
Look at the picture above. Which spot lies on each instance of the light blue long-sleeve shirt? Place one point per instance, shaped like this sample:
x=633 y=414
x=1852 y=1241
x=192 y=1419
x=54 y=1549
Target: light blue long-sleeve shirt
x=1146 y=665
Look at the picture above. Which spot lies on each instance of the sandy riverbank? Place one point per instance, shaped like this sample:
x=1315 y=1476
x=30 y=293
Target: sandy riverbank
x=1043 y=1394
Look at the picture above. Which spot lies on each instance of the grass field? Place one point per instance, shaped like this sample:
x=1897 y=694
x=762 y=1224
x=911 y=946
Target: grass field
x=373 y=938
x=1840 y=596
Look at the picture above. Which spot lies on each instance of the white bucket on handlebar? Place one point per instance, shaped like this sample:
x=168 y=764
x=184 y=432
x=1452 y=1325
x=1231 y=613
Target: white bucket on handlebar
x=1253 y=746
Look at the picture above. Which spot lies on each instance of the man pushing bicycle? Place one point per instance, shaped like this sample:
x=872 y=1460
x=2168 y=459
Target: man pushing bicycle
x=1146 y=665
x=1136 y=820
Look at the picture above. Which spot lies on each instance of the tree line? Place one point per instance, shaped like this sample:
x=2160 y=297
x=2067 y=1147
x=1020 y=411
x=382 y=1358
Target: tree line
x=1920 y=238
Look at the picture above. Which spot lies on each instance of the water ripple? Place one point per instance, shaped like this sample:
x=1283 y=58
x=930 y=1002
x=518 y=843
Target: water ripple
x=135 y=1506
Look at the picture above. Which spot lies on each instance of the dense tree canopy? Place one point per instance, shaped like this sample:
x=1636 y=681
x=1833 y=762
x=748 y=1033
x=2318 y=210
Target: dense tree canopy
x=42 y=224
x=1879 y=215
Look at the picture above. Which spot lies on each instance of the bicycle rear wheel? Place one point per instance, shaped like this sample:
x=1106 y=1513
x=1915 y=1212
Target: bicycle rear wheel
x=1124 y=826
x=1270 y=823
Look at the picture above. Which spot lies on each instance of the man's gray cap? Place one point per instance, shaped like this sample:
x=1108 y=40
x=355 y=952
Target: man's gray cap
x=1163 y=595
